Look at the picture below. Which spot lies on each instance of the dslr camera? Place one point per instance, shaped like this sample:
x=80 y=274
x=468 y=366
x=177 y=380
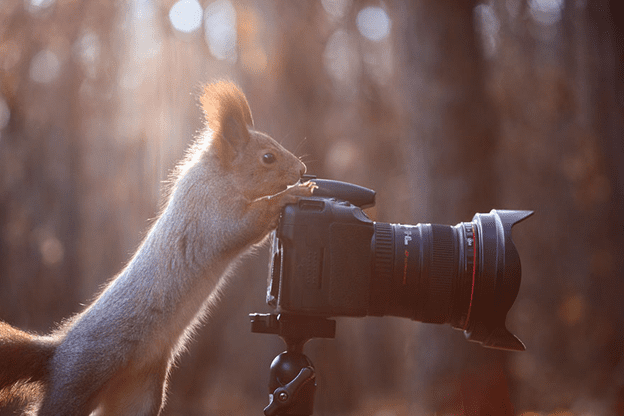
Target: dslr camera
x=330 y=260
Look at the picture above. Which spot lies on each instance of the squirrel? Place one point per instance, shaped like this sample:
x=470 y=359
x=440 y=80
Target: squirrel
x=114 y=357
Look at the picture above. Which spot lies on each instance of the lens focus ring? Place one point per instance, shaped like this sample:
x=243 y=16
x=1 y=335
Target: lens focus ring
x=439 y=298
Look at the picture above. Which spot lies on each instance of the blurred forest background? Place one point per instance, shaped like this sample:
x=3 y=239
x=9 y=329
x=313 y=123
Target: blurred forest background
x=445 y=107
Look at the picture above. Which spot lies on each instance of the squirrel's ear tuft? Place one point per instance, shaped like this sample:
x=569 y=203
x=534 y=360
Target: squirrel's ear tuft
x=227 y=114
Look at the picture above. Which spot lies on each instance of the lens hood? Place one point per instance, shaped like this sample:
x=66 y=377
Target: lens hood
x=496 y=284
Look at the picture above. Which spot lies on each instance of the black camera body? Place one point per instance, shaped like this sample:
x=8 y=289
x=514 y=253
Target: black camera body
x=329 y=260
x=321 y=258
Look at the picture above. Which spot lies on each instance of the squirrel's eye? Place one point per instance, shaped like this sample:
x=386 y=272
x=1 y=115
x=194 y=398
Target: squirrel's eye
x=268 y=158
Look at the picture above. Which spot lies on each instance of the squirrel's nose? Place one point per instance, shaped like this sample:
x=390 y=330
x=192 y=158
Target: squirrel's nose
x=302 y=169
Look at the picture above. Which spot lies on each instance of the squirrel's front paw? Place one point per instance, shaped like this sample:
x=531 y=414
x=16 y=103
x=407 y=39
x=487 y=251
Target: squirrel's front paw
x=288 y=196
x=295 y=192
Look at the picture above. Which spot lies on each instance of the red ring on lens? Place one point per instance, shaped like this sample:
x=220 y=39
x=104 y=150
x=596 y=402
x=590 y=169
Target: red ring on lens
x=474 y=275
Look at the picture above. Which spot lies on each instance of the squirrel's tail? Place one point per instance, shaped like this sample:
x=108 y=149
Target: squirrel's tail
x=24 y=362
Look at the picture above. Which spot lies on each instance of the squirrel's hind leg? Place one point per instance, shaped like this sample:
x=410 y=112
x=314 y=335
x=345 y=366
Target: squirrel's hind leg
x=130 y=391
x=135 y=393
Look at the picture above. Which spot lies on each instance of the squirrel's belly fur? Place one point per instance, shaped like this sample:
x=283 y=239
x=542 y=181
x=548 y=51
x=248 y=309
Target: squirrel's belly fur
x=115 y=356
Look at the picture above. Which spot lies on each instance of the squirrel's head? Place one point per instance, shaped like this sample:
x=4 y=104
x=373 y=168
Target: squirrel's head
x=247 y=156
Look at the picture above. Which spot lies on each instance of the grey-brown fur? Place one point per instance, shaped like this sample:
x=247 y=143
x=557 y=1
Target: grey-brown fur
x=114 y=357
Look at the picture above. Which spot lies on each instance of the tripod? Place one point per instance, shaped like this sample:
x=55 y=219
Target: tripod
x=292 y=379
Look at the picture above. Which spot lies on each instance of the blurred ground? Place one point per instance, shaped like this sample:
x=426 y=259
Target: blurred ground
x=445 y=108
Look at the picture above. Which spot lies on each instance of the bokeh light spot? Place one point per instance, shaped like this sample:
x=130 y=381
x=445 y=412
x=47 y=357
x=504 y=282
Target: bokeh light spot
x=44 y=67
x=37 y=6
x=336 y=8
x=186 y=16
x=89 y=47
x=546 y=12
x=88 y=50
x=220 y=29
x=572 y=309
x=373 y=23
x=52 y=251
x=10 y=54
x=342 y=62
x=488 y=26
x=5 y=113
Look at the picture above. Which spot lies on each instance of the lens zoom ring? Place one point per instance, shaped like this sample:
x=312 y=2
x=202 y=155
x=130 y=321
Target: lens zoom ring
x=442 y=269
x=382 y=273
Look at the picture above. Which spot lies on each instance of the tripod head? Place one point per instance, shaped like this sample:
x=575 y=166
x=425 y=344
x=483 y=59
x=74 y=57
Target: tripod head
x=292 y=379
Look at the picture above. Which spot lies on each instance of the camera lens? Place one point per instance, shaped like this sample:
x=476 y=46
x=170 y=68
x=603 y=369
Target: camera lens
x=422 y=272
x=467 y=275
